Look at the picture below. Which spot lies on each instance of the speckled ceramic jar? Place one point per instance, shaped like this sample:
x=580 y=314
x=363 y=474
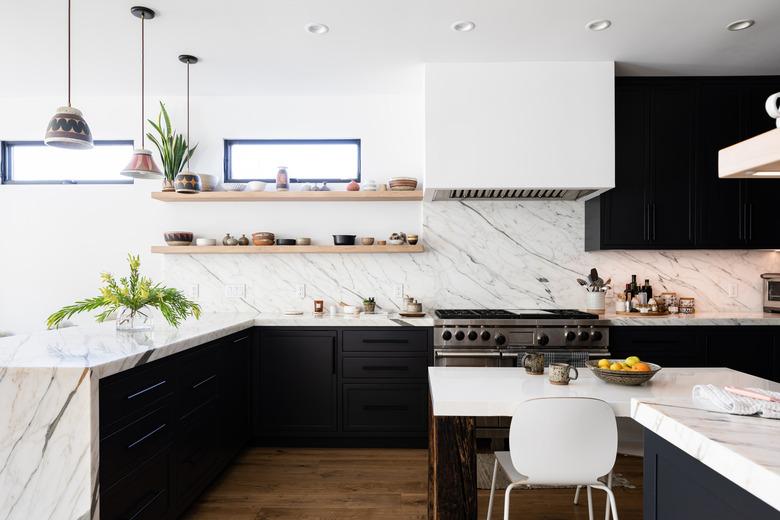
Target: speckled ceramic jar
x=187 y=182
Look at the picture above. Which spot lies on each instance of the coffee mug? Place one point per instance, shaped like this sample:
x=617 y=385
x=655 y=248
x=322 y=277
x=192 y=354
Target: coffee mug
x=533 y=363
x=559 y=373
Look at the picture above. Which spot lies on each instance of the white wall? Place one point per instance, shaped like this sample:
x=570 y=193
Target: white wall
x=57 y=239
x=509 y=125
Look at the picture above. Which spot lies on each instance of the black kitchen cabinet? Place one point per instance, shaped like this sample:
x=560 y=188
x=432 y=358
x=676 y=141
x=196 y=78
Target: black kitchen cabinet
x=749 y=350
x=235 y=393
x=673 y=346
x=296 y=386
x=667 y=192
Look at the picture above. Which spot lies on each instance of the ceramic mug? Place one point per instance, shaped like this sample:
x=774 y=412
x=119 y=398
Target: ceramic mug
x=533 y=363
x=560 y=373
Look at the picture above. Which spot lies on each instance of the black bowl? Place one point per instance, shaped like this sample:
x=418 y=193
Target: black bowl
x=344 y=240
x=285 y=241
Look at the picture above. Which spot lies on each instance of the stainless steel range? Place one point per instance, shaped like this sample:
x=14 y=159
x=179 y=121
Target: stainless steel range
x=500 y=338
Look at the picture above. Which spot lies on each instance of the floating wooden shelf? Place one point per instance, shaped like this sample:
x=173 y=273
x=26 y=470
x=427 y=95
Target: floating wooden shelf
x=239 y=250
x=278 y=196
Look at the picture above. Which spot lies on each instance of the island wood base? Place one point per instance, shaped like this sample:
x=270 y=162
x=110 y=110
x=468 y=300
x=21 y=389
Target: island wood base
x=452 y=468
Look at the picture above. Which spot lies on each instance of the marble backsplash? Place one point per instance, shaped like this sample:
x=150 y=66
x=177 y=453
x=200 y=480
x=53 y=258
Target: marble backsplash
x=478 y=254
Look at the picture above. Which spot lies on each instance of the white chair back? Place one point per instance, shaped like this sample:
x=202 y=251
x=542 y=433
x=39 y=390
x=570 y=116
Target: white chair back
x=563 y=440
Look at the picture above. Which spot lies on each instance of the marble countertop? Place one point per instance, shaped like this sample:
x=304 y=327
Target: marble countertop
x=697 y=318
x=742 y=449
x=341 y=320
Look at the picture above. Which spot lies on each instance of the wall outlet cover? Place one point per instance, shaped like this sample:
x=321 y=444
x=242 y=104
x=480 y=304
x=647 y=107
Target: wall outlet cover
x=301 y=290
x=193 y=291
x=235 y=291
x=732 y=291
x=398 y=291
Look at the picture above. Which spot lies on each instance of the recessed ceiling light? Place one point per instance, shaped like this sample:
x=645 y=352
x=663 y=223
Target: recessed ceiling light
x=740 y=25
x=317 y=28
x=599 y=25
x=464 y=26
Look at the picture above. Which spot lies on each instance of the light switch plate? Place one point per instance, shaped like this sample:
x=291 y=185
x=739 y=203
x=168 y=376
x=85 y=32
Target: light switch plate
x=235 y=291
x=301 y=291
x=732 y=291
x=193 y=291
x=398 y=291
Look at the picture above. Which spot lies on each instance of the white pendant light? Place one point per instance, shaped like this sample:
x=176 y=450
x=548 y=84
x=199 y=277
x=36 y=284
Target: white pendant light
x=142 y=165
x=67 y=127
x=757 y=157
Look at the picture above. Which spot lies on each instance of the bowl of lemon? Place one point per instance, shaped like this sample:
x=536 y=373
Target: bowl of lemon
x=630 y=371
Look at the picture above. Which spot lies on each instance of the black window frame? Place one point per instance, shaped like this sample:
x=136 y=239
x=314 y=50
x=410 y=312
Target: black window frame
x=6 y=163
x=227 y=174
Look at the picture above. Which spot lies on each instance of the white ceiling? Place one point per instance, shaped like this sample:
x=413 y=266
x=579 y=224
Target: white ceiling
x=260 y=46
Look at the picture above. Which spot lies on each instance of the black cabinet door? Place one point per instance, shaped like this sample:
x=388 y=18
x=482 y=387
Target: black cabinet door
x=742 y=348
x=671 y=165
x=296 y=383
x=234 y=393
x=675 y=346
x=624 y=217
x=719 y=208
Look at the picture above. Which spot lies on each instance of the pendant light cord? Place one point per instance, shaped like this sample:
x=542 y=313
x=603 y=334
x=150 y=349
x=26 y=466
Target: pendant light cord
x=143 y=17
x=69 y=54
x=188 y=115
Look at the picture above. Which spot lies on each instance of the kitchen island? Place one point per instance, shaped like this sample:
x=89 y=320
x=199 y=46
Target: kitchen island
x=458 y=395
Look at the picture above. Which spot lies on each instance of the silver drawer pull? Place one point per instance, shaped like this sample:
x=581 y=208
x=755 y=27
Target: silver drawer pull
x=196 y=385
x=141 y=392
x=142 y=439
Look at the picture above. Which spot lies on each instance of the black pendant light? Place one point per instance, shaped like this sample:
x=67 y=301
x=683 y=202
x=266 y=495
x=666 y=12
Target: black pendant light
x=67 y=128
x=142 y=165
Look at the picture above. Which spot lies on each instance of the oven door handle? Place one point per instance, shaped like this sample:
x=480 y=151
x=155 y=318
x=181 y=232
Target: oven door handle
x=439 y=353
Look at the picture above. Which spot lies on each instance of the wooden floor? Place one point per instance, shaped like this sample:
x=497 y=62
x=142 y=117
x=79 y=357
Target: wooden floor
x=372 y=484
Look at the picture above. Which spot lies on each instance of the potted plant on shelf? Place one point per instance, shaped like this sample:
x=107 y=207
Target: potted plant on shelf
x=173 y=148
x=132 y=298
x=369 y=305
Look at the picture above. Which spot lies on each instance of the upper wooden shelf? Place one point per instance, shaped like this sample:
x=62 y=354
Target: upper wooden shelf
x=233 y=250
x=324 y=196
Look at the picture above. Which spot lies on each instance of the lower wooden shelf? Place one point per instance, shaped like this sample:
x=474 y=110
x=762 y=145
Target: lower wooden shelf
x=264 y=250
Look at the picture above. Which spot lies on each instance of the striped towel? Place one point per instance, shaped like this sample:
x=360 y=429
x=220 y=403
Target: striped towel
x=717 y=399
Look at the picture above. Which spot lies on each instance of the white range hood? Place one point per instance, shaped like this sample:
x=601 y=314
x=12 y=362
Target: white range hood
x=757 y=157
x=519 y=130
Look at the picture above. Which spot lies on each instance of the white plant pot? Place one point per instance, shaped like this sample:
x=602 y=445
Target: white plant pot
x=596 y=301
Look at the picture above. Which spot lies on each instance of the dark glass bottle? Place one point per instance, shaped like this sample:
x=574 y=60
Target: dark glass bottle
x=648 y=289
x=634 y=286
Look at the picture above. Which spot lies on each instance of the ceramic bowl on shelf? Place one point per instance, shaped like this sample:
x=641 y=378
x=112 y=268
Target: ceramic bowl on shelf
x=402 y=184
x=234 y=186
x=285 y=241
x=207 y=181
x=263 y=242
x=344 y=240
x=367 y=241
x=623 y=377
x=205 y=241
x=395 y=241
x=178 y=238
x=187 y=182
x=255 y=186
x=412 y=239
x=303 y=241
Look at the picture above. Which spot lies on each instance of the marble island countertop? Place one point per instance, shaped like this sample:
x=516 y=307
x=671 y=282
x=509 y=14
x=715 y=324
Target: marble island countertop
x=697 y=318
x=742 y=449
x=341 y=320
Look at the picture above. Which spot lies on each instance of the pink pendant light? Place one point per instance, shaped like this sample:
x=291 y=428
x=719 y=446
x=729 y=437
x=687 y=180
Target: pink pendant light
x=67 y=128
x=142 y=165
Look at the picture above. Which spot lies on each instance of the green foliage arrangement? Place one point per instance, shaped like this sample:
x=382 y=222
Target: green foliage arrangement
x=134 y=292
x=369 y=300
x=173 y=148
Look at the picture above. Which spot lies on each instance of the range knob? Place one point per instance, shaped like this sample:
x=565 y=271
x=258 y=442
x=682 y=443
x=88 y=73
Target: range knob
x=500 y=339
x=570 y=335
x=473 y=335
x=542 y=339
x=596 y=335
x=446 y=335
x=459 y=335
x=485 y=335
x=583 y=335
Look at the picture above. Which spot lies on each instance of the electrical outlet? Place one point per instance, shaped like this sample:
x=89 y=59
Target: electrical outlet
x=301 y=291
x=731 y=289
x=235 y=291
x=398 y=291
x=193 y=291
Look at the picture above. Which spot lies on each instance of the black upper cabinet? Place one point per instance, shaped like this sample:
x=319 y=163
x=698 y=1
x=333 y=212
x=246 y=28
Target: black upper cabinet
x=668 y=194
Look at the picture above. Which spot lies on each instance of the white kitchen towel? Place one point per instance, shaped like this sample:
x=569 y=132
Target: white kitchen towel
x=717 y=399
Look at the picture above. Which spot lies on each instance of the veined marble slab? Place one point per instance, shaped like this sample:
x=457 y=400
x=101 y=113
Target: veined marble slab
x=698 y=318
x=364 y=320
x=745 y=450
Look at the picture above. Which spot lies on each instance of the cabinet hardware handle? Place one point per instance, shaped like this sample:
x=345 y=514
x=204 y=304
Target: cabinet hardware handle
x=196 y=385
x=388 y=407
x=142 y=439
x=646 y=223
x=652 y=206
x=147 y=389
x=750 y=220
x=399 y=368
x=333 y=367
x=399 y=341
x=147 y=503
x=240 y=339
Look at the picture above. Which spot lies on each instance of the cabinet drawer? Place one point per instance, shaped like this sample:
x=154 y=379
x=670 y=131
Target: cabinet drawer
x=198 y=379
x=142 y=495
x=384 y=367
x=127 y=394
x=385 y=340
x=196 y=450
x=385 y=408
x=124 y=449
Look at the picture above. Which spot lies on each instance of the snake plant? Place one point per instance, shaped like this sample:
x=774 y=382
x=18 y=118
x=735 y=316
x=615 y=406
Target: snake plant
x=173 y=148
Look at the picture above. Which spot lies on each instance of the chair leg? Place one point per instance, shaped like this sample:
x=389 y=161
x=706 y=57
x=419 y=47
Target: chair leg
x=506 y=500
x=577 y=495
x=492 y=490
x=606 y=505
x=611 y=497
x=590 y=503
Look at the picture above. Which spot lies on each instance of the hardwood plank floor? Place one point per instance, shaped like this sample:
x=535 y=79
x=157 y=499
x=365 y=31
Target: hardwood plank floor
x=373 y=484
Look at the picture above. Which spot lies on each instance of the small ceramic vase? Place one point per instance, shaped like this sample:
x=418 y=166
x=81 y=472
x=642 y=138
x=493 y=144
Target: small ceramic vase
x=353 y=186
x=243 y=241
x=227 y=239
x=168 y=186
x=187 y=182
x=282 y=179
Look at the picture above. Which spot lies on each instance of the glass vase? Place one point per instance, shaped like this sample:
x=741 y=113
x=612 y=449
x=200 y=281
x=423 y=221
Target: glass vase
x=132 y=320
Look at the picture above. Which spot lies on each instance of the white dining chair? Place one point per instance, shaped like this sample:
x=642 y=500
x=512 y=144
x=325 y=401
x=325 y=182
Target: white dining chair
x=559 y=441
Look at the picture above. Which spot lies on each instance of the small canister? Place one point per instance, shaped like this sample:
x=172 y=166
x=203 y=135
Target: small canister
x=282 y=179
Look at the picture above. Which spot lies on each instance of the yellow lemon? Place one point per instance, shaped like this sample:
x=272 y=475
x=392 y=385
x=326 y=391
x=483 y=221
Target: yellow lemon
x=632 y=360
x=604 y=363
x=616 y=366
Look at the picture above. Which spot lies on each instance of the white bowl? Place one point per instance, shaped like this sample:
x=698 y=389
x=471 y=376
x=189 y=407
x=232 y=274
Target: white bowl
x=205 y=241
x=234 y=186
x=255 y=186
x=207 y=181
x=395 y=241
